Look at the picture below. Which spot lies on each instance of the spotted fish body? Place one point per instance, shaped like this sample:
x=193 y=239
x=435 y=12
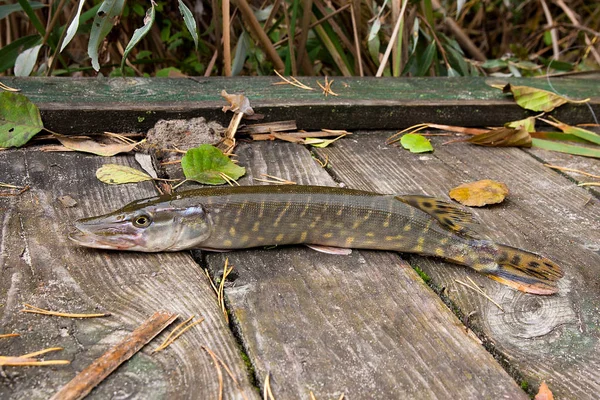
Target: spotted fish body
x=222 y=219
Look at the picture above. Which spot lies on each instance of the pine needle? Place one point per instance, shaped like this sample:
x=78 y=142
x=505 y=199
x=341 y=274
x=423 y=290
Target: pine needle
x=327 y=87
x=9 y=335
x=274 y=179
x=267 y=392
x=174 y=336
x=8 y=88
x=479 y=290
x=36 y=310
x=577 y=171
x=292 y=81
x=40 y=352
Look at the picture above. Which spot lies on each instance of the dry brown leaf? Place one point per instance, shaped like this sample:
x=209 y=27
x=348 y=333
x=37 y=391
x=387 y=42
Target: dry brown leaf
x=238 y=103
x=479 y=193
x=503 y=137
x=544 y=393
x=91 y=146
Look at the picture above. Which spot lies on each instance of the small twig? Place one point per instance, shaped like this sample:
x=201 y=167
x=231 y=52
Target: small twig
x=179 y=184
x=480 y=291
x=37 y=310
x=96 y=372
x=25 y=362
x=20 y=192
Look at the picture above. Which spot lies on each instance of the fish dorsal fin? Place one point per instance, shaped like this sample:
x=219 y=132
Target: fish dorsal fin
x=447 y=214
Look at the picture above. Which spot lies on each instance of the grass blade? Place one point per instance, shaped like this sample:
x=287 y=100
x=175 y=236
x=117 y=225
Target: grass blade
x=190 y=22
x=565 y=148
x=139 y=33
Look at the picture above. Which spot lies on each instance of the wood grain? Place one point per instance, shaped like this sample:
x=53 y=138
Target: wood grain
x=42 y=267
x=80 y=105
x=552 y=338
x=364 y=325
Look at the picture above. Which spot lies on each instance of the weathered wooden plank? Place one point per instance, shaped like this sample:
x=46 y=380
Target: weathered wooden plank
x=364 y=325
x=552 y=338
x=586 y=164
x=39 y=265
x=74 y=105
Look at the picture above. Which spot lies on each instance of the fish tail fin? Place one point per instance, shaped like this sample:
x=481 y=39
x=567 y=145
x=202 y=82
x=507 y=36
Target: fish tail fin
x=522 y=270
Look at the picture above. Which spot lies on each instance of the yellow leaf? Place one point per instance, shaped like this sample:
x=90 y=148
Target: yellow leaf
x=100 y=149
x=115 y=174
x=480 y=193
x=503 y=137
x=536 y=99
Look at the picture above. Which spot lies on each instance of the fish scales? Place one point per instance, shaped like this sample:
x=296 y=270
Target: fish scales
x=325 y=218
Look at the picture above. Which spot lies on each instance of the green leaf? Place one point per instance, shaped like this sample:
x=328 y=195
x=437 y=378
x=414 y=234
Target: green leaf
x=490 y=64
x=103 y=23
x=207 y=164
x=26 y=61
x=416 y=143
x=426 y=60
x=241 y=52
x=190 y=22
x=527 y=123
x=8 y=9
x=10 y=52
x=73 y=26
x=139 y=33
x=35 y=21
x=115 y=174
x=535 y=99
x=19 y=119
x=565 y=148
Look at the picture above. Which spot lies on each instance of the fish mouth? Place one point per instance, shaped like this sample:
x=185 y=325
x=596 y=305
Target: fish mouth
x=89 y=239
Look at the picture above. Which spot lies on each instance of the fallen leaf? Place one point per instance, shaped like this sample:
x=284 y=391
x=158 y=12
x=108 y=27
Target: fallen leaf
x=115 y=174
x=544 y=393
x=416 y=143
x=527 y=123
x=503 y=137
x=535 y=99
x=238 y=103
x=100 y=149
x=321 y=143
x=207 y=164
x=19 y=120
x=479 y=193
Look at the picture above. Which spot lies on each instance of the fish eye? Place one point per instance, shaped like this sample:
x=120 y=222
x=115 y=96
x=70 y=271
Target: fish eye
x=142 y=221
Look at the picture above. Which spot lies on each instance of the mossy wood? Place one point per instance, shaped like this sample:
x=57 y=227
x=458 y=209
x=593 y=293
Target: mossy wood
x=552 y=338
x=40 y=266
x=76 y=106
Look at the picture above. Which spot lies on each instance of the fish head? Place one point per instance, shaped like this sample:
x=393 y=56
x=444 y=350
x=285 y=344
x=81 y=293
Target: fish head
x=150 y=228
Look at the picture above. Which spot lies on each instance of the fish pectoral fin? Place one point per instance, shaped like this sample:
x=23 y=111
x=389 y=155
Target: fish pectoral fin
x=447 y=214
x=213 y=250
x=340 y=251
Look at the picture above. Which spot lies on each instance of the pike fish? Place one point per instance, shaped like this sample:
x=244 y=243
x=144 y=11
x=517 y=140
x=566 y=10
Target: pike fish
x=326 y=219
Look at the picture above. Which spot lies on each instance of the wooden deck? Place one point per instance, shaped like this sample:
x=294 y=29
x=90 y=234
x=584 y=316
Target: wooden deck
x=364 y=325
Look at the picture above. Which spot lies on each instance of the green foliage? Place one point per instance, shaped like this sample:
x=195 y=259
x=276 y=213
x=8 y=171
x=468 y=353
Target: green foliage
x=189 y=37
x=19 y=120
x=207 y=164
x=416 y=143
